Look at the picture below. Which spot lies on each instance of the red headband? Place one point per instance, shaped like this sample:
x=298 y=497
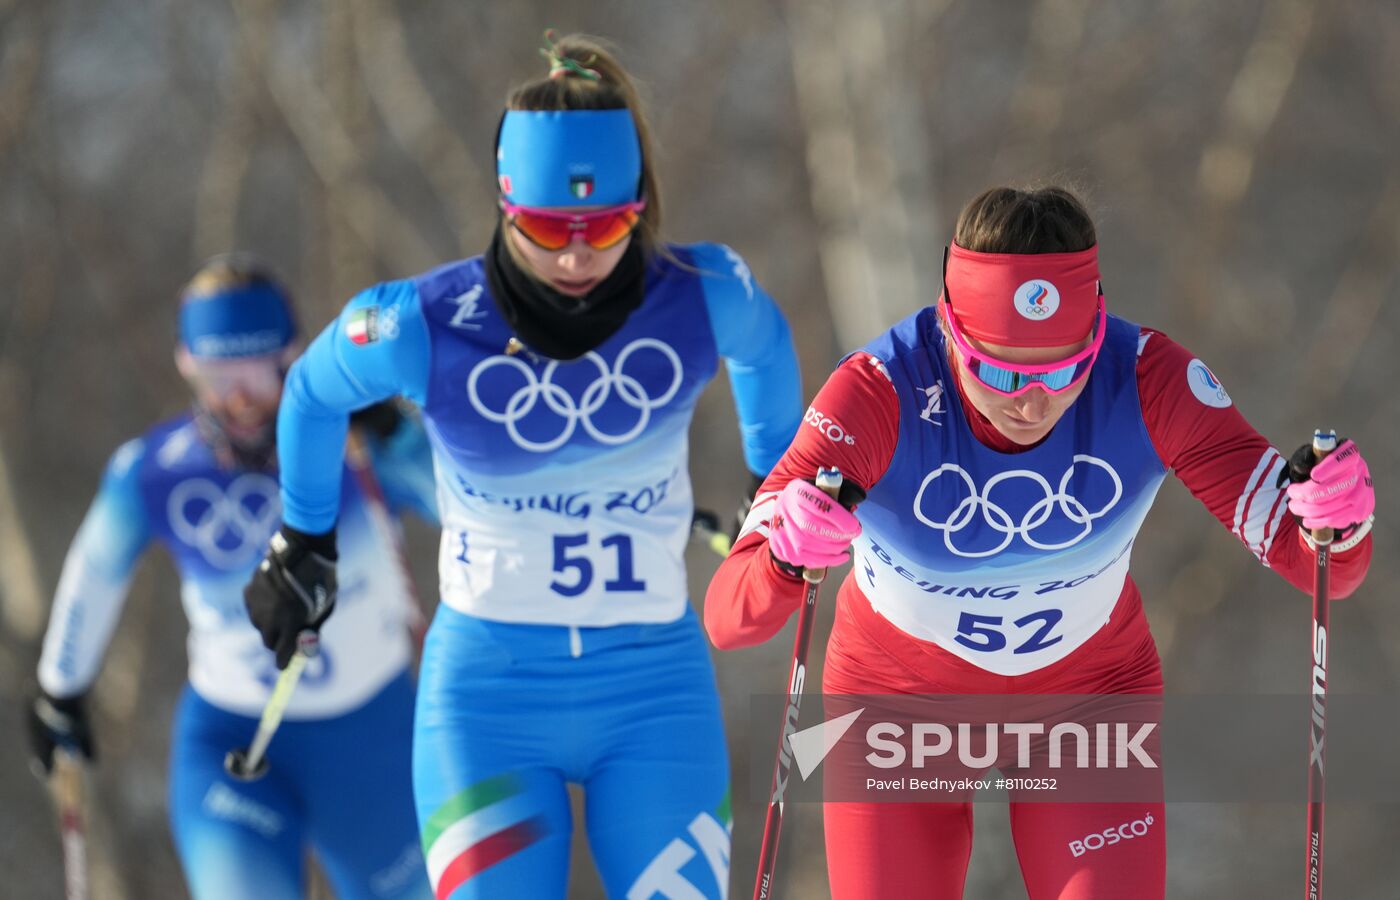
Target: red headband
x=1024 y=299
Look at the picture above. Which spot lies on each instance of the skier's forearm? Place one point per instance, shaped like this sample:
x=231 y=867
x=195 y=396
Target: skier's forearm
x=1230 y=467
x=308 y=433
x=756 y=343
x=768 y=400
x=767 y=391
x=852 y=425
x=96 y=576
x=357 y=360
x=86 y=609
x=749 y=599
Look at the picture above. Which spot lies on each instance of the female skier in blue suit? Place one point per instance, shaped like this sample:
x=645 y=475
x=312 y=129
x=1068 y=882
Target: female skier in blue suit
x=557 y=374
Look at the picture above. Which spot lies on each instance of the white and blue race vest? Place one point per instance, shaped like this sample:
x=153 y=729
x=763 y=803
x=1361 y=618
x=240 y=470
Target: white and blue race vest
x=1007 y=560
x=215 y=522
x=563 y=485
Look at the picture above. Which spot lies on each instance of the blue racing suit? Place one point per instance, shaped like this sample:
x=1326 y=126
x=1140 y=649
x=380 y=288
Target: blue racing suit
x=564 y=649
x=352 y=709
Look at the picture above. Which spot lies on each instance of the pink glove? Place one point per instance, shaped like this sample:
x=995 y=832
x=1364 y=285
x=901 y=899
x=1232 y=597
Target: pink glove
x=809 y=529
x=1337 y=495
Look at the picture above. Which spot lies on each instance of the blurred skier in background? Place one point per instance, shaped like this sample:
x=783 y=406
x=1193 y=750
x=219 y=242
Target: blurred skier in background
x=204 y=484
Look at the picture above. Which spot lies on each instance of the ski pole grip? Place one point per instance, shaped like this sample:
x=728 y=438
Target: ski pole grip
x=829 y=482
x=308 y=643
x=1324 y=442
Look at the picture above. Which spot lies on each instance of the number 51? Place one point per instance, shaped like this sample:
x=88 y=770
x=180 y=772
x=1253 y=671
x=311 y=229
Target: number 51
x=582 y=566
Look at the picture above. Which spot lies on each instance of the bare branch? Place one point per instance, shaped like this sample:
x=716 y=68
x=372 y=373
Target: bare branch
x=414 y=119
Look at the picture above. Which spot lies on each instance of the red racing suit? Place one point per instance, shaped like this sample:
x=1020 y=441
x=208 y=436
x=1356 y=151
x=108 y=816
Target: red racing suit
x=883 y=645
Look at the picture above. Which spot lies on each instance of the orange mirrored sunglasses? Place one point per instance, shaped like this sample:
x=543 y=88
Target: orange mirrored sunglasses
x=552 y=230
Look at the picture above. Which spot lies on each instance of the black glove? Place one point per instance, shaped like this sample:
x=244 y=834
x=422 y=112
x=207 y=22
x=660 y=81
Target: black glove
x=292 y=590
x=745 y=504
x=57 y=722
x=1300 y=466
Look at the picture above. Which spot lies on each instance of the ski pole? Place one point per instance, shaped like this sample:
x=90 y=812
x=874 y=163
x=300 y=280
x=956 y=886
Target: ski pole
x=251 y=764
x=357 y=456
x=829 y=480
x=704 y=525
x=67 y=786
x=1324 y=442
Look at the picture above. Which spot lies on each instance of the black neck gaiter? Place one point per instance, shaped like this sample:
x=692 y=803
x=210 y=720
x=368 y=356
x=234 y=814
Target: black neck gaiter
x=557 y=325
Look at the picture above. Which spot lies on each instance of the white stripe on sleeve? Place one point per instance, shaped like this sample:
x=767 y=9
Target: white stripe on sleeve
x=1259 y=509
x=760 y=514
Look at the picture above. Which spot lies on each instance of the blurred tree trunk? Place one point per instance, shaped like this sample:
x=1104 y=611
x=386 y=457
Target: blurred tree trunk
x=869 y=159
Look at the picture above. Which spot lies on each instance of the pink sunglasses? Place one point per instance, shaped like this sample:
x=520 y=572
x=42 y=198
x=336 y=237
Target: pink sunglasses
x=1014 y=379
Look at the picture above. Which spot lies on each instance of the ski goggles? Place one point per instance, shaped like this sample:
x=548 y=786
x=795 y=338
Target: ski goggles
x=1014 y=379
x=552 y=230
x=258 y=378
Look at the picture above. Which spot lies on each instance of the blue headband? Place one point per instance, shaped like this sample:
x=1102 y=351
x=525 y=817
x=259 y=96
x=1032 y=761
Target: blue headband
x=573 y=158
x=251 y=320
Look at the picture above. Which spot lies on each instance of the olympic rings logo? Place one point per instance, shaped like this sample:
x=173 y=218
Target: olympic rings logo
x=228 y=526
x=999 y=520
x=561 y=402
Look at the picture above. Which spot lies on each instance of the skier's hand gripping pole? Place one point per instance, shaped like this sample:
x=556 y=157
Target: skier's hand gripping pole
x=61 y=740
x=251 y=764
x=1324 y=442
x=1332 y=495
x=829 y=481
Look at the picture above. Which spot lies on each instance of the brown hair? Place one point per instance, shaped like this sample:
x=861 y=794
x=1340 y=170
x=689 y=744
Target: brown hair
x=1035 y=220
x=573 y=87
x=229 y=271
x=232 y=271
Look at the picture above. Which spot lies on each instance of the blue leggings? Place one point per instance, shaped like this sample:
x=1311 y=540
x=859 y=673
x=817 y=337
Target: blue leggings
x=509 y=714
x=339 y=786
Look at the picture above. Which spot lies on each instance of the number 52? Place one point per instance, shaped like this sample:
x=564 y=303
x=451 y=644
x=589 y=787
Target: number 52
x=989 y=636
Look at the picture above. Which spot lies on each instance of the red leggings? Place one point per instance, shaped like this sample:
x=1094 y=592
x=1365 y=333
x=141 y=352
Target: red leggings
x=921 y=850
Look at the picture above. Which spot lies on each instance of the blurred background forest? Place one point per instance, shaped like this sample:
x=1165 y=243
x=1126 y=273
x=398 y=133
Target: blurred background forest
x=1242 y=159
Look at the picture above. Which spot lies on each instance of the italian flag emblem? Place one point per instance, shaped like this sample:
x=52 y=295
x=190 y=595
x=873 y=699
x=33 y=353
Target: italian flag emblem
x=477 y=828
x=362 y=327
x=581 y=186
